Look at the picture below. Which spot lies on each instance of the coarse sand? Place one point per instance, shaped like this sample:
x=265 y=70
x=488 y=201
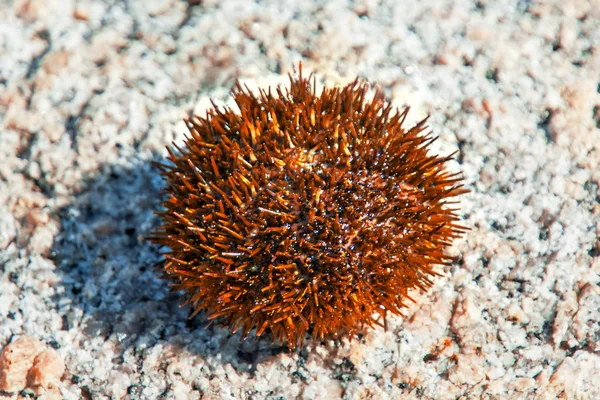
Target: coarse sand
x=91 y=91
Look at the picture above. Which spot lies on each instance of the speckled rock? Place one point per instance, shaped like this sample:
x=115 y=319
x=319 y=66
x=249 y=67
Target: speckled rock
x=92 y=91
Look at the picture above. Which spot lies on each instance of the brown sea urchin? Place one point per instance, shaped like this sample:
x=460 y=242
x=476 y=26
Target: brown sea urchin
x=305 y=212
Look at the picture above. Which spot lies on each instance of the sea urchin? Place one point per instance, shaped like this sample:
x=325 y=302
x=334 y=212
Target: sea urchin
x=305 y=212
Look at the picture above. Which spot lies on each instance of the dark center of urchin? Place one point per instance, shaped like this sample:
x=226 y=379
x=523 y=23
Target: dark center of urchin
x=305 y=212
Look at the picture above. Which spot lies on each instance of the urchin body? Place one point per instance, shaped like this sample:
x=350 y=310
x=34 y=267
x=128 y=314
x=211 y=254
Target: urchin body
x=305 y=212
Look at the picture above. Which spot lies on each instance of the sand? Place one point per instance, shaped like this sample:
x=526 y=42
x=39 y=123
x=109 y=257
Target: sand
x=92 y=91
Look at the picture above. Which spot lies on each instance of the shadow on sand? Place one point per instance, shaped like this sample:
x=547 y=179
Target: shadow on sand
x=109 y=289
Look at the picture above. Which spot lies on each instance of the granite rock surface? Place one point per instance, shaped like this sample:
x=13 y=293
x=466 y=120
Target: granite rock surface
x=91 y=91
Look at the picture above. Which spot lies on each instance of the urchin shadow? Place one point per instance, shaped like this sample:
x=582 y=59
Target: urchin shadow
x=109 y=287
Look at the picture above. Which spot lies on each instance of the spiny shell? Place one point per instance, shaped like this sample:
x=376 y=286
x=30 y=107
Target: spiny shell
x=305 y=212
